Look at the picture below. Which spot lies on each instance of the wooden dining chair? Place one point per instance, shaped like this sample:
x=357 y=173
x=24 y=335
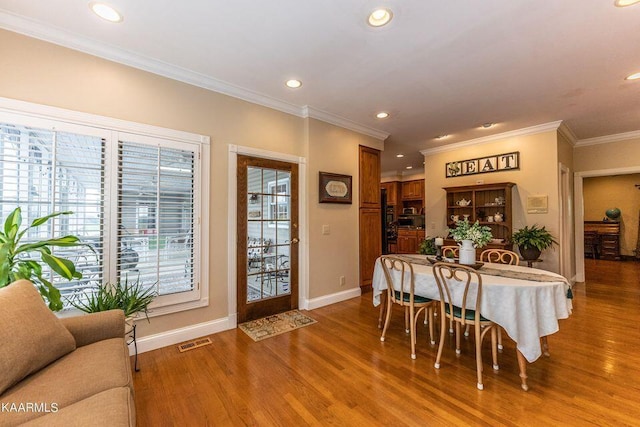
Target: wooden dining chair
x=450 y=251
x=466 y=285
x=500 y=256
x=401 y=290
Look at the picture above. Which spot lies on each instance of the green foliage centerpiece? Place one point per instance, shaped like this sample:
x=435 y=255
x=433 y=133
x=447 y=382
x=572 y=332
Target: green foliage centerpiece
x=480 y=235
x=470 y=236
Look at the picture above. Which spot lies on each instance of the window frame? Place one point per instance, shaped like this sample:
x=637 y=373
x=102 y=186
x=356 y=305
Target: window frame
x=113 y=131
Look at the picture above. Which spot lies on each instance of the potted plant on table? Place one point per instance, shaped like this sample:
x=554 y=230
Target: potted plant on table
x=531 y=241
x=428 y=246
x=470 y=236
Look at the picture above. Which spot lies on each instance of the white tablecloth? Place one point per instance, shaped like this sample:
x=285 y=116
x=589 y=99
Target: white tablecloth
x=525 y=309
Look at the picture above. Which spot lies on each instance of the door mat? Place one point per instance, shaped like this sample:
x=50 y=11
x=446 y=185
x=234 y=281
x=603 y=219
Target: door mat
x=271 y=326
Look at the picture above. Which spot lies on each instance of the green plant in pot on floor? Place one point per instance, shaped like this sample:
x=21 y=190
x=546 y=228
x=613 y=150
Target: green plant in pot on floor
x=24 y=259
x=531 y=241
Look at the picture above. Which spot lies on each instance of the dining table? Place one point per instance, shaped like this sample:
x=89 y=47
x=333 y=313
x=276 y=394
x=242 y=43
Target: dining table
x=525 y=302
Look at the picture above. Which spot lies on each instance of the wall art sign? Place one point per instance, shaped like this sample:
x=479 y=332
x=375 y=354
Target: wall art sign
x=496 y=163
x=335 y=188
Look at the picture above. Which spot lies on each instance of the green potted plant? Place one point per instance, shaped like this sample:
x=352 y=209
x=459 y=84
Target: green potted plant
x=22 y=260
x=470 y=236
x=531 y=241
x=428 y=246
x=131 y=297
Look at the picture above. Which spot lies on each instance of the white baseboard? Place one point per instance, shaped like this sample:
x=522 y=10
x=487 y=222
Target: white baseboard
x=176 y=336
x=314 y=303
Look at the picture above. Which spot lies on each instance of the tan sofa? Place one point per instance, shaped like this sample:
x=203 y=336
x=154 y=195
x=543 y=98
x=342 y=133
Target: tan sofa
x=61 y=372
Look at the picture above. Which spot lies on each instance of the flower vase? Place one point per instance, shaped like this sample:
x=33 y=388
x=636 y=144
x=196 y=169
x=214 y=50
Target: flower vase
x=467 y=253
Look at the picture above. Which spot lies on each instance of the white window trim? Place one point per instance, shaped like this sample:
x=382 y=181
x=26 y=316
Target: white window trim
x=30 y=114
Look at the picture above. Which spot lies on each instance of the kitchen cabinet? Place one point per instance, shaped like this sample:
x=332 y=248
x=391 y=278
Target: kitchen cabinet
x=490 y=204
x=392 y=192
x=370 y=224
x=413 y=190
x=409 y=240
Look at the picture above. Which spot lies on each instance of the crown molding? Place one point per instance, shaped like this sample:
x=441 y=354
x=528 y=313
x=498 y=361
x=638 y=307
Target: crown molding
x=566 y=131
x=59 y=36
x=32 y=28
x=314 y=113
x=608 y=138
x=532 y=130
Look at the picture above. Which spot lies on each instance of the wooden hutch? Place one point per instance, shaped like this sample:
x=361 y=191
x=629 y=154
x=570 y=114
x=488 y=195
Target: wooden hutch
x=486 y=200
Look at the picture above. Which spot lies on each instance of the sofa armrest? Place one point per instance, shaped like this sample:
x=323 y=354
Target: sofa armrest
x=94 y=327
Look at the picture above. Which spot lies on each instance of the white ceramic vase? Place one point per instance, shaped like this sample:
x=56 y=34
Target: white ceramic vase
x=467 y=253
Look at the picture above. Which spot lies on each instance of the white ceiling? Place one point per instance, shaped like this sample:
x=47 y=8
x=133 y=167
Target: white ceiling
x=440 y=67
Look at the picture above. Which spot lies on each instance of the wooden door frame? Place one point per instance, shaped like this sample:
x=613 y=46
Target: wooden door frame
x=232 y=216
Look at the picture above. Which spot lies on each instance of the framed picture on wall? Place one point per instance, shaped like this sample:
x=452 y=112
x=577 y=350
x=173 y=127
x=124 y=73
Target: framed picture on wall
x=335 y=188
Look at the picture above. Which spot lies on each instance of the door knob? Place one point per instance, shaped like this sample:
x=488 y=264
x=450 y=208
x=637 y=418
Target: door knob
x=294 y=240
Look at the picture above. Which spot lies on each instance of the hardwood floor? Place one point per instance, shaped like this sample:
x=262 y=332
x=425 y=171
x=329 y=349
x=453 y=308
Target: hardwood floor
x=337 y=372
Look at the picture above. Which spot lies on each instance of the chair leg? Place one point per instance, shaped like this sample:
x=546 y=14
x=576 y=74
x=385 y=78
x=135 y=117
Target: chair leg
x=466 y=331
x=494 y=346
x=443 y=325
x=412 y=330
x=383 y=305
x=457 y=337
x=545 y=346
x=478 y=355
x=500 y=347
x=407 y=328
x=388 y=318
x=430 y=311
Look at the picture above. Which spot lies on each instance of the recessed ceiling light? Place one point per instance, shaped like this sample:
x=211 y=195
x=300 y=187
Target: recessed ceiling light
x=105 y=11
x=633 y=76
x=380 y=17
x=382 y=115
x=488 y=125
x=399 y=155
x=624 y=3
x=442 y=136
x=293 y=83
x=409 y=167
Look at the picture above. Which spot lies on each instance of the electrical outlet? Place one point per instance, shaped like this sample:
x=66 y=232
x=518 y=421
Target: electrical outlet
x=342 y=281
x=326 y=229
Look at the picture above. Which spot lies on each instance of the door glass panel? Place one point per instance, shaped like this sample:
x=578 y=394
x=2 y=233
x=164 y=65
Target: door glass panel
x=268 y=233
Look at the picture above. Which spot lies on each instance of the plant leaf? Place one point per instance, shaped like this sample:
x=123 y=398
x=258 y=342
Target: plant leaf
x=13 y=223
x=66 y=241
x=62 y=266
x=50 y=293
x=39 y=221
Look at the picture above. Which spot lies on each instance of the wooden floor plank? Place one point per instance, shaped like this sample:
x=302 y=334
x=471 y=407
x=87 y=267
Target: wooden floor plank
x=337 y=372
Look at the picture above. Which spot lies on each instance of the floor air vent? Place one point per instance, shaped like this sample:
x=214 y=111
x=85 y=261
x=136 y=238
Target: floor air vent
x=193 y=344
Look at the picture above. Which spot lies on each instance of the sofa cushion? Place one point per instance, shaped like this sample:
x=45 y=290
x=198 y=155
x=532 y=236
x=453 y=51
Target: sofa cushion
x=110 y=408
x=86 y=371
x=31 y=335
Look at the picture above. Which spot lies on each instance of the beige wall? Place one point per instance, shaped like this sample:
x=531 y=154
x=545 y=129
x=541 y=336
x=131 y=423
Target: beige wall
x=47 y=74
x=565 y=157
x=606 y=192
x=333 y=149
x=538 y=175
x=613 y=155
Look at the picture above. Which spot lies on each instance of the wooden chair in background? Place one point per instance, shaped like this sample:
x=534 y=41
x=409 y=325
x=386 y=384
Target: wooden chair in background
x=455 y=279
x=450 y=251
x=401 y=290
x=591 y=244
